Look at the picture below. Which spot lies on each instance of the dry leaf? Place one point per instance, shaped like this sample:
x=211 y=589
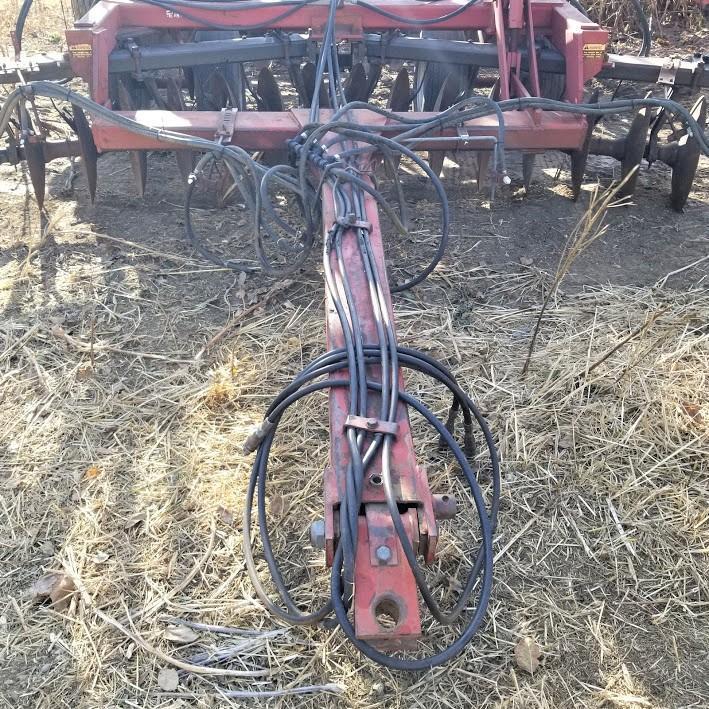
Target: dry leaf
x=135 y=520
x=180 y=634
x=527 y=654
x=694 y=411
x=277 y=505
x=58 y=586
x=225 y=515
x=168 y=679
x=93 y=471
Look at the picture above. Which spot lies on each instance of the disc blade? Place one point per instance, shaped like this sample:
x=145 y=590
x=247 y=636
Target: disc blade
x=374 y=72
x=185 y=158
x=635 y=143
x=296 y=77
x=138 y=158
x=446 y=97
x=579 y=157
x=356 y=86
x=309 y=72
x=687 y=159
x=400 y=96
x=34 y=156
x=435 y=161
x=87 y=146
x=448 y=94
x=483 y=161
x=268 y=94
x=528 y=162
x=269 y=99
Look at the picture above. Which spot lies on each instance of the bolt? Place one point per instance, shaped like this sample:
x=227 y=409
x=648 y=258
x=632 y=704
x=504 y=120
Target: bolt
x=317 y=534
x=383 y=554
x=372 y=424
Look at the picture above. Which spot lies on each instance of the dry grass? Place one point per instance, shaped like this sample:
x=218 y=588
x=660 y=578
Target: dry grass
x=121 y=466
x=619 y=15
x=125 y=471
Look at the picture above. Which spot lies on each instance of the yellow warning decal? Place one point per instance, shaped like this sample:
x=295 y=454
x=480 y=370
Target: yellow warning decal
x=81 y=51
x=594 y=51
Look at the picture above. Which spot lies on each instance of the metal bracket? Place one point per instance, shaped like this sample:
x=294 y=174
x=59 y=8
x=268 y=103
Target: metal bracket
x=372 y=425
x=351 y=222
x=668 y=72
x=227 y=123
x=134 y=50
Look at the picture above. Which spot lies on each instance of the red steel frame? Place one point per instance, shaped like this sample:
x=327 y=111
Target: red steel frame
x=393 y=580
x=581 y=42
x=514 y=24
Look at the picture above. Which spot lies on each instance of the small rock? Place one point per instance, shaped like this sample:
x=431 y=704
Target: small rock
x=526 y=260
x=47 y=548
x=168 y=679
x=180 y=634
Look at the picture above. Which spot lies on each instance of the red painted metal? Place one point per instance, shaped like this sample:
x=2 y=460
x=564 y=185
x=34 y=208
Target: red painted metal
x=389 y=584
x=533 y=65
x=503 y=59
x=583 y=45
x=582 y=42
x=262 y=131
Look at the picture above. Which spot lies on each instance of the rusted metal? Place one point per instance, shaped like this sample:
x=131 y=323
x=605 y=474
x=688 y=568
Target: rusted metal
x=628 y=149
x=36 y=165
x=445 y=506
x=683 y=156
x=138 y=158
x=372 y=425
x=389 y=585
x=89 y=154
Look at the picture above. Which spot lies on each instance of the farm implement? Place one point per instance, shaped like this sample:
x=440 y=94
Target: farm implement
x=285 y=98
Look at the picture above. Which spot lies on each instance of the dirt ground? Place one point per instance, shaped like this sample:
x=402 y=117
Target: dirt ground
x=121 y=462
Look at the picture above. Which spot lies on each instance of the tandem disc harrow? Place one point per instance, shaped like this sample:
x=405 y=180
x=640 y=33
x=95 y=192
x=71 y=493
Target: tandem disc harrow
x=294 y=105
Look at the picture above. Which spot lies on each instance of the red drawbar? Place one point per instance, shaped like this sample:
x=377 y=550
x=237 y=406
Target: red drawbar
x=386 y=609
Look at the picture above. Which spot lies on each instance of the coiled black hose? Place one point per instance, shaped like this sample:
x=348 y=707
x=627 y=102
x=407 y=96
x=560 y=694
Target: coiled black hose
x=304 y=385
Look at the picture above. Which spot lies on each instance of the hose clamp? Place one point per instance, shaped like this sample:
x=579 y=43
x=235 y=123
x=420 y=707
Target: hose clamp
x=351 y=222
x=372 y=425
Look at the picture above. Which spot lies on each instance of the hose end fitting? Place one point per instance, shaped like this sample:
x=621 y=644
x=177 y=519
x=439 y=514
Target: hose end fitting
x=253 y=440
